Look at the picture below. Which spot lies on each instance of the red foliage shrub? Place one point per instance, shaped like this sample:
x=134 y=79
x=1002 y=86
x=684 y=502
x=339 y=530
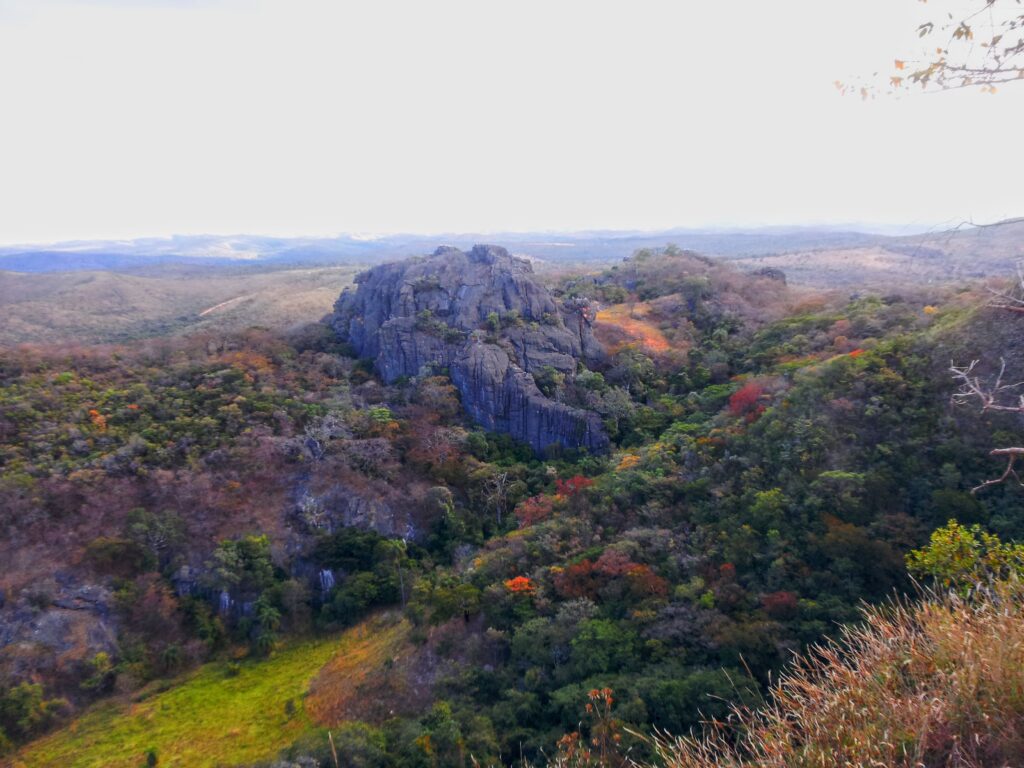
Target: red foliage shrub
x=578 y=580
x=534 y=509
x=573 y=485
x=745 y=399
x=614 y=562
x=644 y=582
x=780 y=605
x=588 y=578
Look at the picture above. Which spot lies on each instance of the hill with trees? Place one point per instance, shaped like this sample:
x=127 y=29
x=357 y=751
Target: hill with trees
x=183 y=503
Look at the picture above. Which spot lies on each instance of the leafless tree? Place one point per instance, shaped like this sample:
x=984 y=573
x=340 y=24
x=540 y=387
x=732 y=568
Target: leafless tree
x=991 y=395
x=319 y=433
x=496 y=489
x=1012 y=299
x=370 y=456
x=312 y=512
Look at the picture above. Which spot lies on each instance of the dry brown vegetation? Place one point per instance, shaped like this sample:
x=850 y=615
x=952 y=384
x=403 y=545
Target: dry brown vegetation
x=938 y=683
x=933 y=258
x=383 y=673
x=621 y=324
x=111 y=306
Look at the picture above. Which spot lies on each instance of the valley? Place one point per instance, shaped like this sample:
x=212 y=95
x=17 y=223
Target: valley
x=479 y=490
x=511 y=385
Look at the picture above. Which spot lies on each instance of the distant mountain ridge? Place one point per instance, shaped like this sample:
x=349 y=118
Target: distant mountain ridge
x=350 y=249
x=814 y=255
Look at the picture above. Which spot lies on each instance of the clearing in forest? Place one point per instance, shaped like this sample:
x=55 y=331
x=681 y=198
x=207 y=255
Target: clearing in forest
x=628 y=320
x=214 y=716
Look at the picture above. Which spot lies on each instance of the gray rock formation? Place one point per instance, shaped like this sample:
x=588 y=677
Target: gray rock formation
x=485 y=318
x=47 y=631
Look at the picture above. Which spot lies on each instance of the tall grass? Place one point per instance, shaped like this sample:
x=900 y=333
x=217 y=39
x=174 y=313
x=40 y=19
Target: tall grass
x=934 y=682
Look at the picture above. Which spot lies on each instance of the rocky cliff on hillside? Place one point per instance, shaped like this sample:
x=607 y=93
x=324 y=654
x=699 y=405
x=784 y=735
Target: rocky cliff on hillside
x=484 y=317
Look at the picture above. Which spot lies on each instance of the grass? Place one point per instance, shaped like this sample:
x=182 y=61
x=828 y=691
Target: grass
x=355 y=683
x=208 y=719
x=100 y=307
x=934 y=683
x=628 y=318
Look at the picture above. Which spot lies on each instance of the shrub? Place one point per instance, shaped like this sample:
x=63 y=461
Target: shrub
x=25 y=712
x=959 y=556
x=534 y=509
x=117 y=557
x=745 y=400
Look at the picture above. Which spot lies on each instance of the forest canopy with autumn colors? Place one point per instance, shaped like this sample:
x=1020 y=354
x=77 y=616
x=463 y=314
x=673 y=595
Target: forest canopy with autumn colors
x=707 y=455
x=209 y=501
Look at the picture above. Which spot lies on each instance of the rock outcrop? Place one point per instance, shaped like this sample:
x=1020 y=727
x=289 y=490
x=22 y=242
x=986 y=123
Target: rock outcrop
x=484 y=317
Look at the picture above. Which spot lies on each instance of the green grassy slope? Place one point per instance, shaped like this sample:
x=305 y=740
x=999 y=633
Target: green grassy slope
x=207 y=720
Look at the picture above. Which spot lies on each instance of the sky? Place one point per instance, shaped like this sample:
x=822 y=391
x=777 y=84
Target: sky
x=132 y=118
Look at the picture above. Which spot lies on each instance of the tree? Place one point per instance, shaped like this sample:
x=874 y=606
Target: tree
x=161 y=534
x=745 y=401
x=268 y=621
x=496 y=489
x=992 y=395
x=244 y=564
x=959 y=556
x=446 y=597
x=24 y=711
x=395 y=551
x=982 y=47
x=441 y=740
x=360 y=746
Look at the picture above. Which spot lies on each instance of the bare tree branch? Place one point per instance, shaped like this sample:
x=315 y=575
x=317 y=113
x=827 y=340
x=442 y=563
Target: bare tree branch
x=1013 y=299
x=981 y=47
x=1012 y=455
x=991 y=396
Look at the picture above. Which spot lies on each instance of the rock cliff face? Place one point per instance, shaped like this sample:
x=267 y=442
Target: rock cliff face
x=484 y=317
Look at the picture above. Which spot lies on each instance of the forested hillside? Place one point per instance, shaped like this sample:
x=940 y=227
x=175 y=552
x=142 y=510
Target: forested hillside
x=223 y=500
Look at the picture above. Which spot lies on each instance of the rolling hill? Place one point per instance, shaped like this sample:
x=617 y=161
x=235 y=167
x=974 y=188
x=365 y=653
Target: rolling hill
x=101 y=306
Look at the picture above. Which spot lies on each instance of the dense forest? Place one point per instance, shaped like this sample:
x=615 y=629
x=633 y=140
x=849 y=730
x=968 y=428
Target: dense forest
x=216 y=500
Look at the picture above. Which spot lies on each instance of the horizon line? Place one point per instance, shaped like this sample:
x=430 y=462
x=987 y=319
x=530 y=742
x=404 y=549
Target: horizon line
x=876 y=228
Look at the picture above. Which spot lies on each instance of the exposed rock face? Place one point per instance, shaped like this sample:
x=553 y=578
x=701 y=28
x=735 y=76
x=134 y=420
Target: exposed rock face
x=440 y=311
x=48 y=633
x=772 y=273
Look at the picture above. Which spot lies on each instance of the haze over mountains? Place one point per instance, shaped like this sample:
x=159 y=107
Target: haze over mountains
x=974 y=250
x=993 y=243
x=354 y=249
x=120 y=290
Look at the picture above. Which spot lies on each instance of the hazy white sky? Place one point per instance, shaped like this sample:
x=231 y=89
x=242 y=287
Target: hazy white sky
x=124 y=118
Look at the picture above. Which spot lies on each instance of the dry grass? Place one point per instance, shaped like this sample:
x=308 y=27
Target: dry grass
x=936 y=683
x=622 y=324
x=355 y=684
x=99 y=307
